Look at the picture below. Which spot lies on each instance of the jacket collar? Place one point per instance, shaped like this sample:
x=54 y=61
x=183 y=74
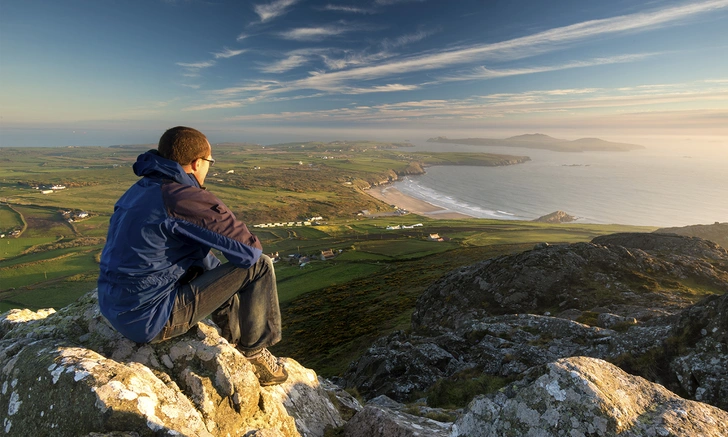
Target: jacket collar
x=151 y=164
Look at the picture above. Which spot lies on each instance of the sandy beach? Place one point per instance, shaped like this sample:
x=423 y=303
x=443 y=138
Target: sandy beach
x=392 y=196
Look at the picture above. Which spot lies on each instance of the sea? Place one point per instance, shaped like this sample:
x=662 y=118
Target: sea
x=647 y=187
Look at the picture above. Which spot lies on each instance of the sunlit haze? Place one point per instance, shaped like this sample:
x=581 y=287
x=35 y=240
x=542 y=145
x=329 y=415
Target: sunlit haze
x=120 y=72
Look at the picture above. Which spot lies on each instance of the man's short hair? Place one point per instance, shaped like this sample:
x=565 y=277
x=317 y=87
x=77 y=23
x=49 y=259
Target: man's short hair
x=183 y=145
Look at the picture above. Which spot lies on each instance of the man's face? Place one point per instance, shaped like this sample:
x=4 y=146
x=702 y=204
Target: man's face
x=204 y=166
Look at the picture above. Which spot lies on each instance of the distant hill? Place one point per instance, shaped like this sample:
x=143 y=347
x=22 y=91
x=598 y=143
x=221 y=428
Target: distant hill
x=717 y=232
x=541 y=141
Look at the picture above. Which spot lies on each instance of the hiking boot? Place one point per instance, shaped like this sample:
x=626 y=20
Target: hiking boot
x=267 y=368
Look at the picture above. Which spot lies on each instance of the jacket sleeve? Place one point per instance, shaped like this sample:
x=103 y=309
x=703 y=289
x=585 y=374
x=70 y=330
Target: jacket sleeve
x=198 y=215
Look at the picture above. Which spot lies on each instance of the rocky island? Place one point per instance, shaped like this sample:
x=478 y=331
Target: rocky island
x=541 y=141
x=556 y=217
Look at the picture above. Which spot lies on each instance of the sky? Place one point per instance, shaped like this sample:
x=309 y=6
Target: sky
x=104 y=72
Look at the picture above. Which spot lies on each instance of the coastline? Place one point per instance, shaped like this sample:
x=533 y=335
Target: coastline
x=392 y=196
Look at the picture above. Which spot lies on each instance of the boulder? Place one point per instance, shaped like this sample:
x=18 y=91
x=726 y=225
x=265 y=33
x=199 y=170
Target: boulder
x=581 y=396
x=383 y=417
x=69 y=373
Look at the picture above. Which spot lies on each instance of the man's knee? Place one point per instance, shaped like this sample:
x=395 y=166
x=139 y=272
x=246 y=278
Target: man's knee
x=266 y=262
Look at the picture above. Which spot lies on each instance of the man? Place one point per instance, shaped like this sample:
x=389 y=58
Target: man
x=158 y=277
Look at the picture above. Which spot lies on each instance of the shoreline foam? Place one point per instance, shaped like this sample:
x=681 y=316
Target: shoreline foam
x=392 y=196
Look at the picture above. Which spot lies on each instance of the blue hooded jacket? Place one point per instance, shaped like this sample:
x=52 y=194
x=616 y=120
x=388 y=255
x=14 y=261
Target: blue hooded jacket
x=163 y=225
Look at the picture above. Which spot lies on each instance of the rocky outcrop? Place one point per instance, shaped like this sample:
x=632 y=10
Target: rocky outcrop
x=636 y=275
x=546 y=342
x=69 y=373
x=556 y=217
x=570 y=396
x=585 y=396
x=629 y=299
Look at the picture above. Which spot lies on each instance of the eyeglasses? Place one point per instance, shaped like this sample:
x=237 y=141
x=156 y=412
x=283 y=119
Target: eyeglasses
x=211 y=161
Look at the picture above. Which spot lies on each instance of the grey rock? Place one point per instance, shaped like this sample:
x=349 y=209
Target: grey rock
x=380 y=421
x=641 y=281
x=582 y=396
x=57 y=367
x=609 y=320
x=621 y=304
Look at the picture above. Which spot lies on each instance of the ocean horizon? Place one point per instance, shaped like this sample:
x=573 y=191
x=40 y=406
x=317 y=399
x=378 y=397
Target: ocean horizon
x=649 y=187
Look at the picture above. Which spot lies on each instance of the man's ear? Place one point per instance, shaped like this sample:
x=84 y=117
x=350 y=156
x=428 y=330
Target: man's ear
x=194 y=165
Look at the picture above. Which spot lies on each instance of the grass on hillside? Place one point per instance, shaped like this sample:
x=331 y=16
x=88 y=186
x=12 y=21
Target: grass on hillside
x=56 y=264
x=13 y=247
x=9 y=219
x=294 y=281
x=332 y=310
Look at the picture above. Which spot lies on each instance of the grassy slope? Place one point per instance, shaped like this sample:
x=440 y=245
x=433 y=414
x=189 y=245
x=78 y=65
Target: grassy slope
x=331 y=310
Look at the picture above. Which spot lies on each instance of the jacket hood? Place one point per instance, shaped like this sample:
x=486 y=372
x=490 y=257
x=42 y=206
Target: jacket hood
x=153 y=165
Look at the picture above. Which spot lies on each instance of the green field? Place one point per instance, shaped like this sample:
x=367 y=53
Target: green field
x=332 y=310
x=10 y=219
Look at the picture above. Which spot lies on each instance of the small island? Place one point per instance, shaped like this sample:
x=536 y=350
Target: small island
x=545 y=142
x=556 y=217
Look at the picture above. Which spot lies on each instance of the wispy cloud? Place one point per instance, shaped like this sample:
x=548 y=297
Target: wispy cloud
x=196 y=65
x=348 y=9
x=518 y=48
x=486 y=73
x=187 y=85
x=227 y=53
x=393 y=87
x=313 y=33
x=380 y=73
x=252 y=87
x=332 y=58
x=221 y=105
x=287 y=64
x=353 y=59
x=242 y=36
x=192 y=70
x=583 y=102
x=269 y=11
x=407 y=39
x=394 y=2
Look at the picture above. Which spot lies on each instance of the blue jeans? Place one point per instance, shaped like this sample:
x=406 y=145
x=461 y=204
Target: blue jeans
x=242 y=302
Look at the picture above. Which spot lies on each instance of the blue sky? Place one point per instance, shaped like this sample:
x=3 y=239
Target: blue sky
x=118 y=72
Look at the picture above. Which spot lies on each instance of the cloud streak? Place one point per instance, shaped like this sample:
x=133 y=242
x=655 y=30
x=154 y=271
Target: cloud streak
x=349 y=74
x=486 y=73
x=527 y=46
x=272 y=10
x=406 y=39
x=347 y=81
x=394 y=2
x=347 y=9
x=196 y=65
x=289 y=63
x=227 y=53
x=220 y=105
x=313 y=33
x=585 y=102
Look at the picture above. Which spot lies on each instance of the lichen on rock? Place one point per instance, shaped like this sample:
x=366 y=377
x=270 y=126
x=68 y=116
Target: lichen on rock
x=69 y=373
